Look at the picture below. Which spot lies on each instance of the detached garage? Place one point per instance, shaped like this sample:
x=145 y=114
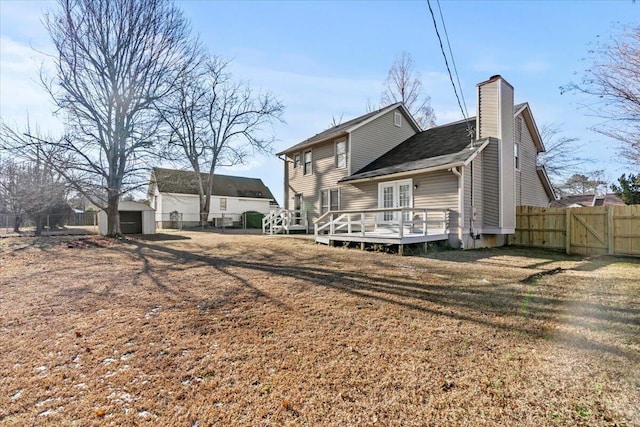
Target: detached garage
x=135 y=218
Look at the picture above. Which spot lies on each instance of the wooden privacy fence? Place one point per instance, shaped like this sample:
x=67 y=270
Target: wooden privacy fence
x=613 y=230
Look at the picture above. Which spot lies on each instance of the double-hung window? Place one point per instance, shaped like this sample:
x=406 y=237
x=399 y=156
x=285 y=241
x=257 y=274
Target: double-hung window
x=516 y=155
x=329 y=200
x=296 y=160
x=341 y=154
x=307 y=163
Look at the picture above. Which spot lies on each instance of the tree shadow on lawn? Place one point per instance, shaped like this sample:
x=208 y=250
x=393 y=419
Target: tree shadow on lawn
x=541 y=257
x=510 y=306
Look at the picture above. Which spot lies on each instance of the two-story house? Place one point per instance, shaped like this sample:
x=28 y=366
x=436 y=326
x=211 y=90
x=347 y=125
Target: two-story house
x=380 y=178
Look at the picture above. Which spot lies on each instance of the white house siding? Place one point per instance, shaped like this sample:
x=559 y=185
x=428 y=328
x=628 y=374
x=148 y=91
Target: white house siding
x=188 y=206
x=324 y=176
x=529 y=189
x=378 y=137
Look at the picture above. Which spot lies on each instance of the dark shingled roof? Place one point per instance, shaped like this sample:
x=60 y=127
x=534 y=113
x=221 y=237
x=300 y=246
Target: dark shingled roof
x=185 y=182
x=440 y=145
x=334 y=131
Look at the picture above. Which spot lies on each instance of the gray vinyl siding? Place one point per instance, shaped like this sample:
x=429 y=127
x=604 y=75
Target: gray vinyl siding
x=473 y=186
x=376 y=138
x=487 y=111
x=438 y=190
x=529 y=189
x=359 y=196
x=324 y=175
x=490 y=186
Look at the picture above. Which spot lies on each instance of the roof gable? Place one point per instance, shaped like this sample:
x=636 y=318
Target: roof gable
x=439 y=145
x=525 y=110
x=186 y=182
x=350 y=126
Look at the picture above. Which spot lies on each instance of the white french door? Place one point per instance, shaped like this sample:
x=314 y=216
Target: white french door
x=395 y=194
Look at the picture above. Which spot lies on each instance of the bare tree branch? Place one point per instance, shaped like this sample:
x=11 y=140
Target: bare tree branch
x=115 y=59
x=613 y=79
x=216 y=121
x=403 y=84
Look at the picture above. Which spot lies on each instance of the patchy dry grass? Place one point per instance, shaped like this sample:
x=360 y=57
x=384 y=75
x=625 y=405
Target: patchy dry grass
x=197 y=329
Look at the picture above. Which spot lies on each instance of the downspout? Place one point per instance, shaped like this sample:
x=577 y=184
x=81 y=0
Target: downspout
x=458 y=173
x=285 y=194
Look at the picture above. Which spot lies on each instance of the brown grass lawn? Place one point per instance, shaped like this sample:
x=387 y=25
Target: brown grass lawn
x=198 y=329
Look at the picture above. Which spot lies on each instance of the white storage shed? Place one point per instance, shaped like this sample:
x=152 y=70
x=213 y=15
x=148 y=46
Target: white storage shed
x=135 y=218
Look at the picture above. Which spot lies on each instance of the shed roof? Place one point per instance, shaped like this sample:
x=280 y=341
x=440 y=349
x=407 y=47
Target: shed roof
x=186 y=182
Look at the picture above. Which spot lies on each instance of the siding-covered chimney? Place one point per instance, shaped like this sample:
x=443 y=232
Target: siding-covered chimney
x=495 y=119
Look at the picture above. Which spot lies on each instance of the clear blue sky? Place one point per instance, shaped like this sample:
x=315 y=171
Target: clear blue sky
x=325 y=59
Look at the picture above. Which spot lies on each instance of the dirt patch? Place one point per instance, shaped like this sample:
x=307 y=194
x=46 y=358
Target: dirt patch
x=214 y=329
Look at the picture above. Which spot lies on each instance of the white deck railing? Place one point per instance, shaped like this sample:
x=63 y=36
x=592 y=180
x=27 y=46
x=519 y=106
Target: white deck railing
x=284 y=220
x=390 y=223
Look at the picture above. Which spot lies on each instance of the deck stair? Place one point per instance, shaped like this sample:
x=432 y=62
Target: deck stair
x=283 y=221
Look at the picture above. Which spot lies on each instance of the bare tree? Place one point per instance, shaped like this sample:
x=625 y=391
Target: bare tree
x=403 y=84
x=561 y=157
x=31 y=190
x=216 y=121
x=613 y=79
x=114 y=60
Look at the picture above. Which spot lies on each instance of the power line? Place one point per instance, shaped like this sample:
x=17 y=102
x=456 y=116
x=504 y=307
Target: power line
x=453 y=61
x=444 y=55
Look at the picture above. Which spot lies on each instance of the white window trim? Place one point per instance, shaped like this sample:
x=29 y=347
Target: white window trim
x=299 y=156
x=397 y=119
x=328 y=191
x=517 y=160
x=335 y=153
x=304 y=163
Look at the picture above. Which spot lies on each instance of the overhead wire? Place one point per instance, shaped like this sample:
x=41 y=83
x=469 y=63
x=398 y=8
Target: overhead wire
x=453 y=61
x=446 y=62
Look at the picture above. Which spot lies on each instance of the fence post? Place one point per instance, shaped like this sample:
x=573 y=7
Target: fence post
x=567 y=226
x=610 y=236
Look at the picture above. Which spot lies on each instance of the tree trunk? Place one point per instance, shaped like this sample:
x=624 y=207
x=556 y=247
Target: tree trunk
x=38 y=220
x=113 y=216
x=205 y=204
x=17 y=222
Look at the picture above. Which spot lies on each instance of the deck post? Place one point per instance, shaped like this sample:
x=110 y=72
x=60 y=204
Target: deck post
x=362 y=246
x=349 y=223
x=331 y=225
x=424 y=227
x=401 y=249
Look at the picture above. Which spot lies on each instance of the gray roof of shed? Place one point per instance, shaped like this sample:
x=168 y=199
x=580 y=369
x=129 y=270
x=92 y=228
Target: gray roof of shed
x=438 y=146
x=185 y=182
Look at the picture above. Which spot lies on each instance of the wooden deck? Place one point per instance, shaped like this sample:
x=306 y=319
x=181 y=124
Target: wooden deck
x=400 y=226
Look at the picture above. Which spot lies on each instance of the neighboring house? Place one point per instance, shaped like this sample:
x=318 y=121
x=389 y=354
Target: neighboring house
x=587 y=200
x=174 y=196
x=384 y=180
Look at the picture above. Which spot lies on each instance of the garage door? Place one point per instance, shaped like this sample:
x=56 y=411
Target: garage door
x=131 y=222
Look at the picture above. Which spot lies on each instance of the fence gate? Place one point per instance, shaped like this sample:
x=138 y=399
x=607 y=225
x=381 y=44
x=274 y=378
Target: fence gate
x=588 y=231
x=597 y=230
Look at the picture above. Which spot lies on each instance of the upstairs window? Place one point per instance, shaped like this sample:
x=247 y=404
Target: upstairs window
x=296 y=160
x=397 y=119
x=341 y=154
x=516 y=155
x=307 y=163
